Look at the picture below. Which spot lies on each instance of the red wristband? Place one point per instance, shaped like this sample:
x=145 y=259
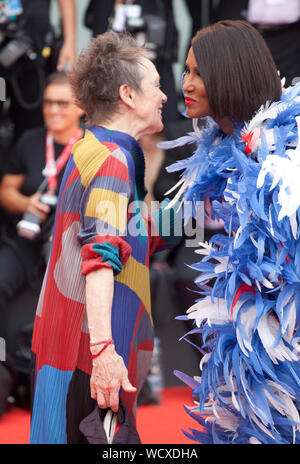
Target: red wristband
x=108 y=342
x=99 y=343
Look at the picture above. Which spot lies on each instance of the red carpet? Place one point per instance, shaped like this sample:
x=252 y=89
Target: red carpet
x=14 y=427
x=160 y=424
x=163 y=424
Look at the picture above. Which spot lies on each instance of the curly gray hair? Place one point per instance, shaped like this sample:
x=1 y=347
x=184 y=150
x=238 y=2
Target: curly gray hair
x=109 y=61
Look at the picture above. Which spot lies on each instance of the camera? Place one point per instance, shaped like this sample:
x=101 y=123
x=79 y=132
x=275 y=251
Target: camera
x=153 y=29
x=14 y=50
x=14 y=42
x=18 y=54
x=30 y=225
x=147 y=29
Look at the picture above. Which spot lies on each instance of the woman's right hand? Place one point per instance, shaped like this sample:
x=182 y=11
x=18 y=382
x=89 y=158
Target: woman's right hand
x=34 y=206
x=109 y=373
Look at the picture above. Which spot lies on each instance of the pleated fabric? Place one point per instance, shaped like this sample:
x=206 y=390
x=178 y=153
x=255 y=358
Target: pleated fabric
x=98 y=224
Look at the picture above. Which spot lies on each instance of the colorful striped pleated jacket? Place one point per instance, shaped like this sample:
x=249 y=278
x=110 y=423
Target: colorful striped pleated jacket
x=98 y=224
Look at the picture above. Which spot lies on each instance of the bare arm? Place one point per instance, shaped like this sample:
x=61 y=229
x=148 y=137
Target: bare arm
x=109 y=372
x=68 y=17
x=13 y=201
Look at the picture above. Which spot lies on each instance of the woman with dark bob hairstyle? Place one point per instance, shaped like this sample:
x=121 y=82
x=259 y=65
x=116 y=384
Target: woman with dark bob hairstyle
x=93 y=334
x=247 y=164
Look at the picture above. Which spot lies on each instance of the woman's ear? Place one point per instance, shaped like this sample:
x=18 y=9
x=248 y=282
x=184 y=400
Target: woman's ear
x=126 y=94
x=79 y=112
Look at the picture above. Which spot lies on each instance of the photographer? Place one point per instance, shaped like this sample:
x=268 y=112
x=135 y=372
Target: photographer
x=21 y=258
x=29 y=51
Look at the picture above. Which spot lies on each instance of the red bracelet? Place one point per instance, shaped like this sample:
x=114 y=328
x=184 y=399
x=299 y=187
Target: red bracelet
x=99 y=343
x=106 y=343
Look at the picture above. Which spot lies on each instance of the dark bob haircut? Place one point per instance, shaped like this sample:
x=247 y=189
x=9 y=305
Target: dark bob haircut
x=237 y=69
x=109 y=61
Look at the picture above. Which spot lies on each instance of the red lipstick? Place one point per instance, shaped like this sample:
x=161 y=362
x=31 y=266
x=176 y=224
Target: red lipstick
x=188 y=101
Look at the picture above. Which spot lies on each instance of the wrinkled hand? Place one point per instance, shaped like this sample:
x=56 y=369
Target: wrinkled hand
x=66 y=58
x=109 y=373
x=34 y=206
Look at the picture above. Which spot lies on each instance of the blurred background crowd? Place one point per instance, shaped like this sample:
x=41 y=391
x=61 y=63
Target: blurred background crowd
x=39 y=122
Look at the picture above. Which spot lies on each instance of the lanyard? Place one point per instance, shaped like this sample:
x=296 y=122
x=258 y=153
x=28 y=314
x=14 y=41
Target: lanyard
x=54 y=167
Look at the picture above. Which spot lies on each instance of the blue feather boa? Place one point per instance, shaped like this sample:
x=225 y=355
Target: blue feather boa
x=249 y=318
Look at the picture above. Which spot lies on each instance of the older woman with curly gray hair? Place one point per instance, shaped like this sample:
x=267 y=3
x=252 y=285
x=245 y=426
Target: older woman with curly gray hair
x=93 y=334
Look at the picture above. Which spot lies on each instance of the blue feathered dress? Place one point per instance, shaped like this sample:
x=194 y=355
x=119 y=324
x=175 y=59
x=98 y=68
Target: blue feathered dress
x=248 y=389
